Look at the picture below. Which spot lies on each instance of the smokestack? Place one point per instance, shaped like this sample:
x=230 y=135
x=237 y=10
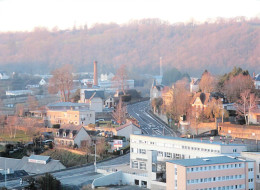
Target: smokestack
x=95 y=74
x=161 y=70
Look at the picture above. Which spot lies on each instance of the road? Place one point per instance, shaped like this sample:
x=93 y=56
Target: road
x=77 y=177
x=149 y=124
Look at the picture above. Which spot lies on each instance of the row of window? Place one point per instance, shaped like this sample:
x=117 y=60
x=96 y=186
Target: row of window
x=142 y=165
x=175 y=146
x=226 y=187
x=159 y=153
x=218 y=167
x=213 y=179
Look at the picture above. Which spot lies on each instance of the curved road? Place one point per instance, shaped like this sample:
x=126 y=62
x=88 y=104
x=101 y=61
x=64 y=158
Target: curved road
x=150 y=125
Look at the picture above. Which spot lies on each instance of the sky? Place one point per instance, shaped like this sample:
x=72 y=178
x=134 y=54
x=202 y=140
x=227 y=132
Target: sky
x=25 y=15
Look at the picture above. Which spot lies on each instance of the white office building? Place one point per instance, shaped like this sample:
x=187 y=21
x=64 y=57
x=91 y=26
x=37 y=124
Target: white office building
x=171 y=148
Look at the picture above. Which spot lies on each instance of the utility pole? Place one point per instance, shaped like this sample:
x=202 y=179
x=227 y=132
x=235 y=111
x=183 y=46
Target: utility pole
x=5 y=173
x=95 y=163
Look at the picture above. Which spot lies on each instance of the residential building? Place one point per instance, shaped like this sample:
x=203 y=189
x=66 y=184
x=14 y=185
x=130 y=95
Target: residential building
x=35 y=164
x=94 y=98
x=211 y=173
x=110 y=102
x=127 y=129
x=194 y=85
x=106 y=76
x=256 y=157
x=254 y=116
x=169 y=148
x=18 y=92
x=167 y=96
x=3 y=75
x=256 y=79
x=72 y=136
x=43 y=82
x=69 y=113
x=156 y=91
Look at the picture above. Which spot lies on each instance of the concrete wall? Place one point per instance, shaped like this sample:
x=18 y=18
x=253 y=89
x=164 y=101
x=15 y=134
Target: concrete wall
x=156 y=185
x=110 y=179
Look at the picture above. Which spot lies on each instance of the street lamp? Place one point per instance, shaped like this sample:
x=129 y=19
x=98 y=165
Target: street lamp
x=5 y=173
x=95 y=163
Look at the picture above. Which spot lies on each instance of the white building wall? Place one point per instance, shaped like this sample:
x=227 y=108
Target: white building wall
x=96 y=104
x=131 y=129
x=81 y=136
x=87 y=117
x=168 y=149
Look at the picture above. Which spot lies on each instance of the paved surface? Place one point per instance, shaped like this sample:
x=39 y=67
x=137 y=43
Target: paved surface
x=149 y=124
x=78 y=176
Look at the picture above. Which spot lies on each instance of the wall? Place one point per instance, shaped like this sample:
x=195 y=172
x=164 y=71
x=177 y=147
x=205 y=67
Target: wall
x=110 y=179
x=239 y=131
x=82 y=135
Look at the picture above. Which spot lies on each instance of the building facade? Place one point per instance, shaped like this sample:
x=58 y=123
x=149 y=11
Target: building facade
x=69 y=113
x=169 y=148
x=212 y=173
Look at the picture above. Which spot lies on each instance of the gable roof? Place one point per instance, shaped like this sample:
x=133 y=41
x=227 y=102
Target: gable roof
x=203 y=97
x=94 y=94
x=257 y=77
x=126 y=125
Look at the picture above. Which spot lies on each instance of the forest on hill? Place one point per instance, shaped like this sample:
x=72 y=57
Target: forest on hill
x=191 y=48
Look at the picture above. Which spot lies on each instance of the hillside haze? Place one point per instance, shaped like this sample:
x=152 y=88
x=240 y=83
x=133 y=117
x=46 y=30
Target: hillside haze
x=191 y=48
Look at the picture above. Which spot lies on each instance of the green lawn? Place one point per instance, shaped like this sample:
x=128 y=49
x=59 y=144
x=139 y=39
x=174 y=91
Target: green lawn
x=20 y=136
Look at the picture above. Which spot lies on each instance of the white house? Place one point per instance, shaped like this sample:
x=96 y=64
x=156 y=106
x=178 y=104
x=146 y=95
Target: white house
x=18 y=92
x=93 y=97
x=194 y=85
x=3 y=75
x=257 y=81
x=127 y=129
x=156 y=91
x=106 y=77
x=43 y=82
x=72 y=135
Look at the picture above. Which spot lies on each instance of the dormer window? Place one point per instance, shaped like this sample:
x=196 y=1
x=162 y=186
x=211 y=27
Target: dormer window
x=64 y=134
x=57 y=134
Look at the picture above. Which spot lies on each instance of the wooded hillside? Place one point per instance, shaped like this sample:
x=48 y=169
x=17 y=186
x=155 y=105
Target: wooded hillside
x=190 y=48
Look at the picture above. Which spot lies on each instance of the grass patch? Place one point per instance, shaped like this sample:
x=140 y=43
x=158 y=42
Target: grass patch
x=20 y=137
x=69 y=159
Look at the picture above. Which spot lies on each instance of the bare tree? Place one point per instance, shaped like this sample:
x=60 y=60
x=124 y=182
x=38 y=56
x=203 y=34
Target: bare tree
x=19 y=110
x=246 y=104
x=120 y=78
x=32 y=103
x=119 y=113
x=180 y=101
x=207 y=82
x=62 y=82
x=12 y=124
x=237 y=85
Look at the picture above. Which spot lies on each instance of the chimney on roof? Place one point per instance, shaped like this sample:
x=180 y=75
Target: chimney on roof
x=253 y=75
x=95 y=74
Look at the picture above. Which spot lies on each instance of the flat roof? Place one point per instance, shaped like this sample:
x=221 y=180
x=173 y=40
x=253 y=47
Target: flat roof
x=66 y=104
x=192 y=140
x=39 y=157
x=206 y=161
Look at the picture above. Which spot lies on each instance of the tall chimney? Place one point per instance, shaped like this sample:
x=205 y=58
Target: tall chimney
x=161 y=69
x=95 y=74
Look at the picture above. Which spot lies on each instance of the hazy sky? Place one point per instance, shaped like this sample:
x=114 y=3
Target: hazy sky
x=26 y=14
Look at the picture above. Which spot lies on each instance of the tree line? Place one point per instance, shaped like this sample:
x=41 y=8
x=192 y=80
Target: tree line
x=217 y=46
